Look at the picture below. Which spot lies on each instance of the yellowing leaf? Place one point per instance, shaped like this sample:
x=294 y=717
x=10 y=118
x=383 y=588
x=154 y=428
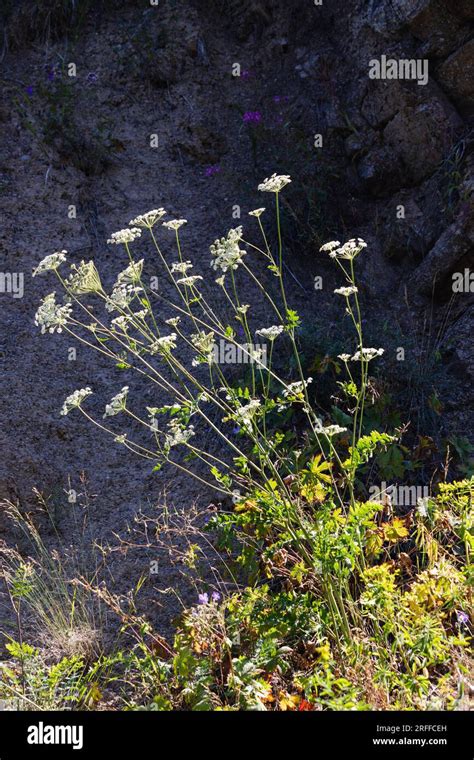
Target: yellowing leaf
x=288 y=701
x=395 y=530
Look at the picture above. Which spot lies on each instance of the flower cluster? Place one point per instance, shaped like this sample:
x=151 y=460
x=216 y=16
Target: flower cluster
x=148 y=219
x=347 y=251
x=205 y=344
x=53 y=261
x=295 y=390
x=127 y=235
x=226 y=251
x=131 y=274
x=275 y=183
x=51 y=316
x=366 y=354
x=181 y=267
x=257 y=212
x=348 y=291
x=177 y=434
x=117 y=403
x=121 y=297
x=245 y=414
x=175 y=224
x=75 y=400
x=164 y=345
x=270 y=333
x=84 y=279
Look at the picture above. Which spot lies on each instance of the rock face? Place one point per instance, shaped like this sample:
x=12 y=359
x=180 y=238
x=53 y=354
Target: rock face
x=456 y=76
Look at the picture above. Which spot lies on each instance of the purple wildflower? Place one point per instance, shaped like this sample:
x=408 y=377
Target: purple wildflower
x=203 y=599
x=210 y=170
x=29 y=90
x=252 y=117
x=463 y=617
x=215 y=596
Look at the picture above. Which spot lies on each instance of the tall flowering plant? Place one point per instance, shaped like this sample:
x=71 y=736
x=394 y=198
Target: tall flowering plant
x=177 y=356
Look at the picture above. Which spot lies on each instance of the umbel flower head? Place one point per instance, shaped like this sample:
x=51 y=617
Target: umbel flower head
x=121 y=296
x=117 y=403
x=257 y=212
x=50 y=316
x=270 y=333
x=177 y=434
x=367 y=354
x=175 y=224
x=131 y=274
x=349 y=291
x=75 y=400
x=51 y=262
x=164 y=345
x=275 y=183
x=128 y=235
x=349 y=250
x=148 y=219
x=84 y=279
x=226 y=251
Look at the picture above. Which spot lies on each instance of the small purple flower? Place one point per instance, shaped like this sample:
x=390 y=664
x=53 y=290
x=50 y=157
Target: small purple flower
x=252 y=117
x=245 y=74
x=51 y=75
x=215 y=596
x=463 y=618
x=29 y=90
x=235 y=430
x=203 y=599
x=92 y=77
x=210 y=170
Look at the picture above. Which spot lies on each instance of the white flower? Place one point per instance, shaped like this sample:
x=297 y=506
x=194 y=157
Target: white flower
x=221 y=280
x=120 y=438
x=127 y=235
x=270 y=333
x=175 y=224
x=297 y=388
x=275 y=183
x=344 y=357
x=243 y=309
x=367 y=354
x=53 y=261
x=190 y=281
x=257 y=212
x=422 y=506
x=75 y=400
x=328 y=247
x=245 y=414
x=331 y=430
x=121 y=297
x=164 y=345
x=235 y=496
x=131 y=274
x=173 y=321
x=84 y=279
x=121 y=322
x=181 y=266
x=226 y=251
x=205 y=344
x=349 y=250
x=50 y=316
x=177 y=434
x=346 y=291
x=148 y=219
x=117 y=403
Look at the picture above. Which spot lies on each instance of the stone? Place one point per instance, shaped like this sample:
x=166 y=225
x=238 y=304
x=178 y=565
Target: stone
x=456 y=77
